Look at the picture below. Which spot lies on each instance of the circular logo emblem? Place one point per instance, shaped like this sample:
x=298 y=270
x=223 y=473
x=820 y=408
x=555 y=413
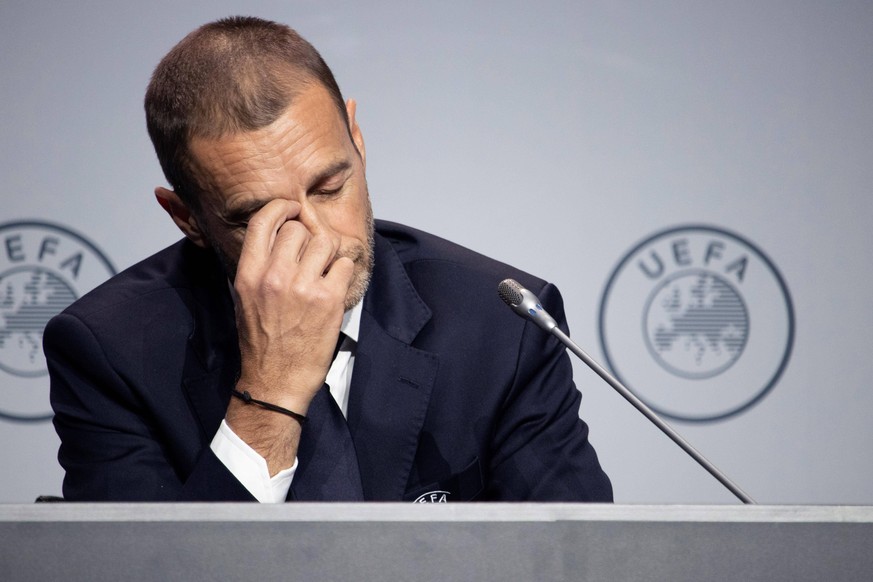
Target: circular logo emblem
x=697 y=322
x=43 y=269
x=438 y=496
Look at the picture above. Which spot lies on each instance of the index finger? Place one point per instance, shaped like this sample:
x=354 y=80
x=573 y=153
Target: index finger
x=262 y=229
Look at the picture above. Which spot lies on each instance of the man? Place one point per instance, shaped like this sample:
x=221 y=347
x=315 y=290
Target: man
x=286 y=349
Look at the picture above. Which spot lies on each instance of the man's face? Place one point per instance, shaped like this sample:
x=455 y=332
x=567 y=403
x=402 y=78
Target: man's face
x=307 y=156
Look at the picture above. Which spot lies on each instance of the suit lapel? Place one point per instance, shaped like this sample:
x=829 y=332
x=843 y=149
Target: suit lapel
x=212 y=357
x=392 y=381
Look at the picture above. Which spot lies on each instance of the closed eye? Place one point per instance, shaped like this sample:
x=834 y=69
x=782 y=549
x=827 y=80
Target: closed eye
x=326 y=191
x=331 y=181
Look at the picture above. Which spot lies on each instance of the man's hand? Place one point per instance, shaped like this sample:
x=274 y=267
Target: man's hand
x=290 y=294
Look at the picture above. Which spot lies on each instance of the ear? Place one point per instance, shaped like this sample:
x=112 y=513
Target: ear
x=355 y=130
x=180 y=214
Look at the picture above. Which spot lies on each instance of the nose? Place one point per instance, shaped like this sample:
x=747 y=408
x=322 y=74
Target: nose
x=312 y=218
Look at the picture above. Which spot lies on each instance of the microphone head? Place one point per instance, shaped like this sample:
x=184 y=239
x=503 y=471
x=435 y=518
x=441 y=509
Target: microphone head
x=510 y=291
x=525 y=304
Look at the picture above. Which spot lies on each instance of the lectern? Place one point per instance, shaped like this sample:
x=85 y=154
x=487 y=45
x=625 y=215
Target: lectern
x=422 y=542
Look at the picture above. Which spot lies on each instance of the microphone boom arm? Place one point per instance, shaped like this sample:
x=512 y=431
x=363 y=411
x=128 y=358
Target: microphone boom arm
x=526 y=304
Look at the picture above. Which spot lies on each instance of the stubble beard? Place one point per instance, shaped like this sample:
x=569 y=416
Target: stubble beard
x=364 y=259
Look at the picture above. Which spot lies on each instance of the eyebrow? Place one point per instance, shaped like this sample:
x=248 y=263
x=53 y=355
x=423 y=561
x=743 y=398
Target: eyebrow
x=329 y=172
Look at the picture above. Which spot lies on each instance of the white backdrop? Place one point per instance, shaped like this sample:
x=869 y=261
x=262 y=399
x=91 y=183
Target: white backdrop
x=554 y=137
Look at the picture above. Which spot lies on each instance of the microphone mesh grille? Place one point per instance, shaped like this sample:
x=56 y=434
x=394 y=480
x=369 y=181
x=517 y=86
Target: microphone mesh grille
x=510 y=292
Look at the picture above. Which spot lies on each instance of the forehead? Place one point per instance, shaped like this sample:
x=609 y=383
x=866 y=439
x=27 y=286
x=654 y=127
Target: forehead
x=306 y=140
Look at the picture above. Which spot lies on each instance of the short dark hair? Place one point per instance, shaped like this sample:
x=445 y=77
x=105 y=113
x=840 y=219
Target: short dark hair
x=233 y=75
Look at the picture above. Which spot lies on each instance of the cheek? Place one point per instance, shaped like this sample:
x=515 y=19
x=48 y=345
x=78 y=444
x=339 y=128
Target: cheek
x=349 y=220
x=229 y=243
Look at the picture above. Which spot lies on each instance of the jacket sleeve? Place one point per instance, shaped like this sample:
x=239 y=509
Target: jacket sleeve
x=115 y=444
x=541 y=449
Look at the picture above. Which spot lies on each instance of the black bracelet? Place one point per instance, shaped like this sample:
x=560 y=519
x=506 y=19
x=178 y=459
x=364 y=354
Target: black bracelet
x=247 y=398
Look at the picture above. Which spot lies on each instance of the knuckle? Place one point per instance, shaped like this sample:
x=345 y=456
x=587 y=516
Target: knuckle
x=244 y=281
x=272 y=283
x=302 y=289
x=313 y=294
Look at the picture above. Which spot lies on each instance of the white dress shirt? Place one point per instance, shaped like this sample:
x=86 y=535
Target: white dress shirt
x=247 y=465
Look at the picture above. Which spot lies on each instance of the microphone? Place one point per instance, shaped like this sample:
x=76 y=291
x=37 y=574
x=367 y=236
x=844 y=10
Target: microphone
x=526 y=305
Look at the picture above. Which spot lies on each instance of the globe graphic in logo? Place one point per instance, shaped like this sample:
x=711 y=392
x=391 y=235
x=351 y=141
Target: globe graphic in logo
x=29 y=297
x=696 y=324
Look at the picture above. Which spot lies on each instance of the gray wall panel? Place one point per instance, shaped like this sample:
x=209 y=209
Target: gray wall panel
x=614 y=120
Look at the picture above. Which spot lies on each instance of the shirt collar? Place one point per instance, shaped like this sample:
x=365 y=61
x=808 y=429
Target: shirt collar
x=351 y=325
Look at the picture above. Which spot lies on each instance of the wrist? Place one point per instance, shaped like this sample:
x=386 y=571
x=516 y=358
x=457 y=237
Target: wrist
x=247 y=398
x=287 y=397
x=273 y=436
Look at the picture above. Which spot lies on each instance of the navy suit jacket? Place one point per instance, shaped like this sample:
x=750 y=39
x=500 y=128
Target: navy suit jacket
x=451 y=391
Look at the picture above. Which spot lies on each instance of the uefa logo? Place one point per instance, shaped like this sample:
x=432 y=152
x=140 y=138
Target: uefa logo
x=43 y=269
x=697 y=322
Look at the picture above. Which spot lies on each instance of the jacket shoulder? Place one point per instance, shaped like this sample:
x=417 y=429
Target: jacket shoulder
x=428 y=257
x=179 y=267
